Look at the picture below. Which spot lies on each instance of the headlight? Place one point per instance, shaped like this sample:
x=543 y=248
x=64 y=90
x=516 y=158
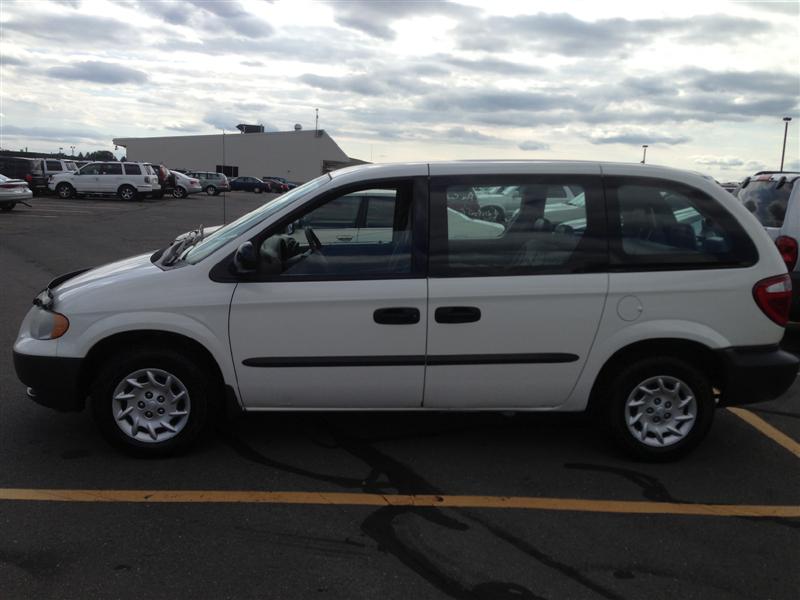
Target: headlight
x=47 y=325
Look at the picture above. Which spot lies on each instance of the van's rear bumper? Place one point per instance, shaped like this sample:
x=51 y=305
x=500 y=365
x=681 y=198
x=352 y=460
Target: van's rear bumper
x=755 y=373
x=52 y=381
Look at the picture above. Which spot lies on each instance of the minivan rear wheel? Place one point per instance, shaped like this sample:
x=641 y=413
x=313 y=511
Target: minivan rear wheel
x=128 y=192
x=660 y=408
x=150 y=402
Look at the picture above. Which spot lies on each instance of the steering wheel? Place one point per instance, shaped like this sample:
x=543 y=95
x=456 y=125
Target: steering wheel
x=313 y=240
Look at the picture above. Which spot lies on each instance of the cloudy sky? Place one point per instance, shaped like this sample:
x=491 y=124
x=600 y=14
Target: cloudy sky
x=704 y=83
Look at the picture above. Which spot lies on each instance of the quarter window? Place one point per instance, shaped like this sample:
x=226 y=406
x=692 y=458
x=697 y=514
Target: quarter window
x=54 y=165
x=133 y=170
x=664 y=224
x=517 y=226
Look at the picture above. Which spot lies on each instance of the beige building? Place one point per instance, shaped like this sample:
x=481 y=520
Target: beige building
x=294 y=155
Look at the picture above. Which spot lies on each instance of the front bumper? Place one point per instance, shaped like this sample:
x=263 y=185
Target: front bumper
x=755 y=374
x=53 y=381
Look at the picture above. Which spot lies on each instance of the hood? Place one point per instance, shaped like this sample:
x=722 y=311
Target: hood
x=128 y=269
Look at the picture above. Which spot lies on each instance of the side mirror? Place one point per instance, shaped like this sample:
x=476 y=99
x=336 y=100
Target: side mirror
x=245 y=261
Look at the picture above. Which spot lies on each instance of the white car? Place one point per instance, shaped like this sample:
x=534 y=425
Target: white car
x=635 y=315
x=128 y=181
x=13 y=191
x=185 y=185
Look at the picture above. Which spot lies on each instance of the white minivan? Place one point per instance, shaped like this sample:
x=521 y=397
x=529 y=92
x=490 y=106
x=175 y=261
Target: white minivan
x=651 y=302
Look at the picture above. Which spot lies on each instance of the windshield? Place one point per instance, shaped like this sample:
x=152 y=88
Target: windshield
x=767 y=200
x=234 y=229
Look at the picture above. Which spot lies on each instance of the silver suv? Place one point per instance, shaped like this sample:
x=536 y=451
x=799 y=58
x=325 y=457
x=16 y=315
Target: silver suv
x=213 y=183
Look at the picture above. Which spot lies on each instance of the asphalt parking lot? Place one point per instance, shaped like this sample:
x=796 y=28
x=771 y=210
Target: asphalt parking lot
x=360 y=505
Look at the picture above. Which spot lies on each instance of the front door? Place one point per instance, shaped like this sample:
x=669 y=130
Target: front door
x=514 y=306
x=331 y=321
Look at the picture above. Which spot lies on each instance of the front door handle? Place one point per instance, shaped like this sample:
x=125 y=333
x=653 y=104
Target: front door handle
x=457 y=314
x=396 y=316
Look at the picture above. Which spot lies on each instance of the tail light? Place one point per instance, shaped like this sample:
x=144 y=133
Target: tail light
x=787 y=246
x=28 y=177
x=774 y=297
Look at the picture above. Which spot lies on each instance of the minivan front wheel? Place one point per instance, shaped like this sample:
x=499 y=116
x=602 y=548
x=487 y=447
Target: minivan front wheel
x=211 y=190
x=660 y=408
x=150 y=402
x=65 y=191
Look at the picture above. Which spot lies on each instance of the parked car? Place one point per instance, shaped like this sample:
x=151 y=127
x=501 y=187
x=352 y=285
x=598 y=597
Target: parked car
x=35 y=171
x=249 y=184
x=185 y=185
x=13 y=191
x=290 y=185
x=636 y=317
x=773 y=197
x=275 y=186
x=212 y=183
x=128 y=181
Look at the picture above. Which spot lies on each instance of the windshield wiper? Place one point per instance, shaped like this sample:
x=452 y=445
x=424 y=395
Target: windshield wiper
x=174 y=252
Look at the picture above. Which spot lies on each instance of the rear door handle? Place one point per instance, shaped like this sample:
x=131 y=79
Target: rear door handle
x=457 y=314
x=396 y=316
x=344 y=238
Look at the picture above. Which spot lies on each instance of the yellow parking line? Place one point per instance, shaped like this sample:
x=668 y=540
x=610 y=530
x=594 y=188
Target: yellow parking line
x=361 y=499
x=768 y=430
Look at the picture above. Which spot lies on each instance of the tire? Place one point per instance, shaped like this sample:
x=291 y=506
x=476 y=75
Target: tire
x=65 y=191
x=7 y=207
x=179 y=193
x=257 y=190
x=657 y=395
x=135 y=385
x=128 y=193
x=211 y=190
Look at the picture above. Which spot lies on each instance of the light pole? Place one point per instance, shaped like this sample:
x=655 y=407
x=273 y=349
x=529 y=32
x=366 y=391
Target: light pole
x=73 y=150
x=60 y=151
x=785 y=130
x=644 y=152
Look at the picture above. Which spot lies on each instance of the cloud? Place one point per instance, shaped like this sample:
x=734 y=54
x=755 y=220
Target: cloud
x=561 y=33
x=636 y=137
x=375 y=18
x=54 y=133
x=98 y=72
x=463 y=135
x=252 y=63
x=490 y=64
x=73 y=28
x=187 y=127
x=532 y=145
x=12 y=61
x=723 y=162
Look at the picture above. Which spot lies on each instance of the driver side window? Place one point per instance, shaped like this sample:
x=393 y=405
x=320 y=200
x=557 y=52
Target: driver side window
x=359 y=233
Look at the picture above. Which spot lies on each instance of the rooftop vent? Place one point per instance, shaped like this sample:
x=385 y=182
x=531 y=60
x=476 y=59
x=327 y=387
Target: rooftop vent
x=250 y=128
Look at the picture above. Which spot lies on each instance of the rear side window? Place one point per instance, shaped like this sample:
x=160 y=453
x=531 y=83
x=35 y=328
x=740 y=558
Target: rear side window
x=656 y=224
x=517 y=225
x=133 y=170
x=111 y=169
x=54 y=165
x=767 y=199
